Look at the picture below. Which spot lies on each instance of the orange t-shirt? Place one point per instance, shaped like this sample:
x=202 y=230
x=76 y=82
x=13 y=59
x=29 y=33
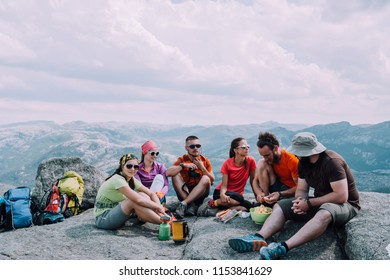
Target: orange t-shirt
x=192 y=181
x=287 y=169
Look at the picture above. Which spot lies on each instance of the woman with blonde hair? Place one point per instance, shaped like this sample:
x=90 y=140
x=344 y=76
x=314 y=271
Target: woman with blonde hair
x=122 y=195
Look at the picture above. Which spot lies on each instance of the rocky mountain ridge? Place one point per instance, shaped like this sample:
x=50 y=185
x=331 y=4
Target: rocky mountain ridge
x=366 y=237
x=23 y=146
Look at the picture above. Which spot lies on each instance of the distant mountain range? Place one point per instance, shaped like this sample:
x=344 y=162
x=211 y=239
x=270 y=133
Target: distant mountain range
x=23 y=146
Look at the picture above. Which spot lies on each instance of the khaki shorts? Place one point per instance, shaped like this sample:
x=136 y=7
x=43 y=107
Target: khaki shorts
x=112 y=219
x=341 y=213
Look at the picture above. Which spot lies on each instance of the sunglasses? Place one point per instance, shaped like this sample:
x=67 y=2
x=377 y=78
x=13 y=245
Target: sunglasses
x=193 y=146
x=130 y=166
x=244 y=147
x=154 y=153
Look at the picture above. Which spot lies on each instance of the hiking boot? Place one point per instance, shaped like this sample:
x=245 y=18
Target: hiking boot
x=205 y=210
x=172 y=206
x=248 y=243
x=273 y=251
x=191 y=209
x=208 y=212
x=180 y=210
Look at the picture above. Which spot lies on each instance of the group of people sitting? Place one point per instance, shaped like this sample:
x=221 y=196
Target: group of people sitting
x=280 y=179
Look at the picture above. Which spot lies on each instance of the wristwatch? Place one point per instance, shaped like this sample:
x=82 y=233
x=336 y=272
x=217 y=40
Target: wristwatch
x=182 y=166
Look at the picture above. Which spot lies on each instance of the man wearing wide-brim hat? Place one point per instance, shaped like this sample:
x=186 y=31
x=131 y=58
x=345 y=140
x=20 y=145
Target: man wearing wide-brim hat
x=335 y=201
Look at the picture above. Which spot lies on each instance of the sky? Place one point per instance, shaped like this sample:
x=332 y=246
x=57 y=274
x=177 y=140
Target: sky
x=195 y=62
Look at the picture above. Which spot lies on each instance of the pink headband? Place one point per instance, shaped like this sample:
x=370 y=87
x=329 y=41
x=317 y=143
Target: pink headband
x=147 y=146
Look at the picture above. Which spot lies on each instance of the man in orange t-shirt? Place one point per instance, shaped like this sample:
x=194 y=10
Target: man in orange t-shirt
x=192 y=177
x=277 y=172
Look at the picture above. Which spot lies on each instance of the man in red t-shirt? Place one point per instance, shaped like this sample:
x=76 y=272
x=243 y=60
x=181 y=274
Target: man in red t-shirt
x=192 y=177
x=277 y=172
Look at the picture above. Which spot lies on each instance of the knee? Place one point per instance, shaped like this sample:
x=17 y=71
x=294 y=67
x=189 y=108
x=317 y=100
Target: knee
x=127 y=206
x=276 y=208
x=144 y=195
x=205 y=181
x=177 y=180
x=324 y=217
x=264 y=166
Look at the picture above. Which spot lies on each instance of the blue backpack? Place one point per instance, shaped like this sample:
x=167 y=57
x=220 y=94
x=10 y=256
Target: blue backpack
x=15 y=211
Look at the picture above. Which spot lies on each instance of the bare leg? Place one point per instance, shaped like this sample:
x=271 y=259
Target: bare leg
x=127 y=206
x=239 y=208
x=267 y=176
x=231 y=204
x=147 y=215
x=274 y=223
x=311 y=230
x=199 y=190
x=144 y=213
x=178 y=182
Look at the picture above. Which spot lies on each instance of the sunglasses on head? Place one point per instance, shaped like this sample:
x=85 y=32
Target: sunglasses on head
x=244 y=147
x=130 y=166
x=193 y=146
x=154 y=153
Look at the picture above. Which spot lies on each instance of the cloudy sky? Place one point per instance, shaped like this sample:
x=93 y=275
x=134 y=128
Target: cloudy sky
x=195 y=62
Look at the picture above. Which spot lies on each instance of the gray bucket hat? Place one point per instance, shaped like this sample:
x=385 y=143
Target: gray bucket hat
x=305 y=144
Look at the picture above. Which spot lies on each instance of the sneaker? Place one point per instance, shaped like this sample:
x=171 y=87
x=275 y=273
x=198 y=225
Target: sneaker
x=205 y=210
x=180 y=210
x=191 y=209
x=273 y=251
x=208 y=212
x=248 y=243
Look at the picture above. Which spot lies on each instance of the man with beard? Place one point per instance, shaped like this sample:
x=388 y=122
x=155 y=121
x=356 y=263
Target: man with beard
x=277 y=172
x=335 y=202
x=192 y=177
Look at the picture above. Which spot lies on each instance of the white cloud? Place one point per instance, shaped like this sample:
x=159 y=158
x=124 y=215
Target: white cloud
x=13 y=51
x=211 y=61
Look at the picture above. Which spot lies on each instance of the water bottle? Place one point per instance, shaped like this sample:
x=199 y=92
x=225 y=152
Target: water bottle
x=164 y=231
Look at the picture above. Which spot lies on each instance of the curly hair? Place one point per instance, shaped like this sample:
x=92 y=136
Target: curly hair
x=267 y=139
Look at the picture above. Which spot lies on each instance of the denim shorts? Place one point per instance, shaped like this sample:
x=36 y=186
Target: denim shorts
x=341 y=213
x=112 y=219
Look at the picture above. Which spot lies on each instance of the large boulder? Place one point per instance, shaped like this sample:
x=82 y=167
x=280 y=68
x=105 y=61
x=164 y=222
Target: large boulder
x=54 y=168
x=367 y=236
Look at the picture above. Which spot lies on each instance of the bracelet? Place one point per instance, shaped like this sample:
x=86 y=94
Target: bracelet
x=280 y=194
x=308 y=203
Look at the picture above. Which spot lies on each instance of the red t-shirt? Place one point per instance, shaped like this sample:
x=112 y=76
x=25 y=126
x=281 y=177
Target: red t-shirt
x=237 y=175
